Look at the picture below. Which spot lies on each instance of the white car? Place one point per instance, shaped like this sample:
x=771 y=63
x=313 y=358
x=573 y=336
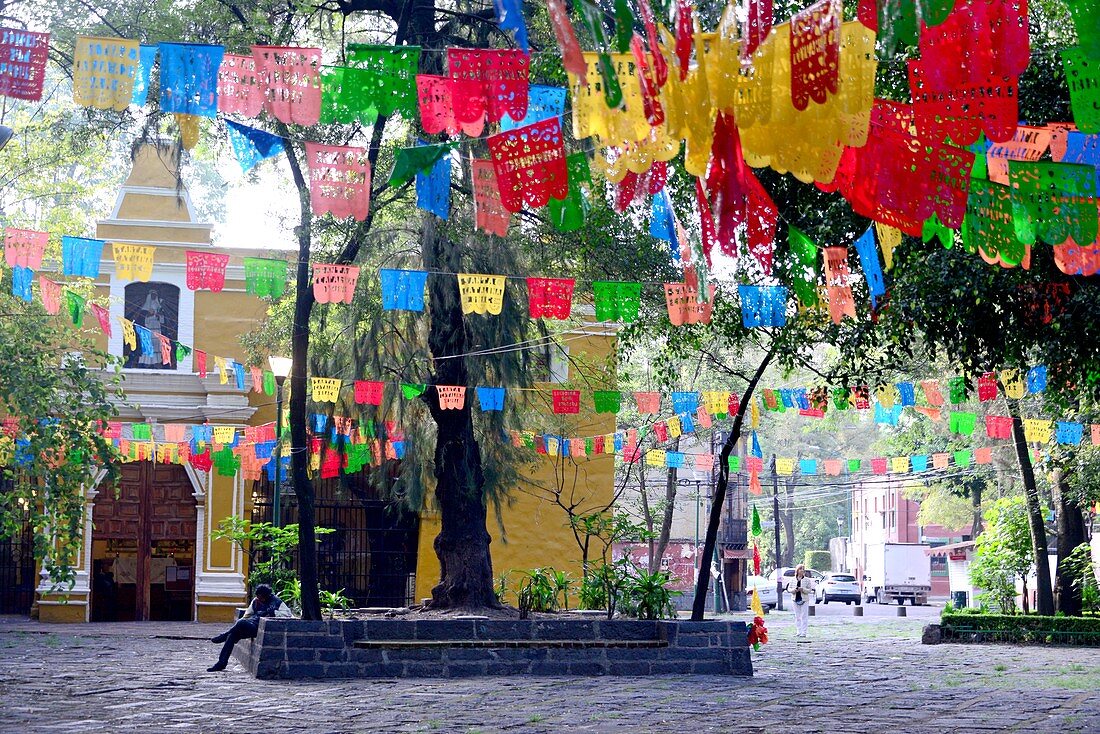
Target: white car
x=788 y=575
x=765 y=588
x=838 y=587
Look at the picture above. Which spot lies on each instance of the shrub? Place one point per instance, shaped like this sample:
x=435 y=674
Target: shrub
x=982 y=626
x=649 y=597
x=537 y=592
x=818 y=560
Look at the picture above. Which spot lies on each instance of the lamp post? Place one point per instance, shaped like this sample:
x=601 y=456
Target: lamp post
x=280 y=366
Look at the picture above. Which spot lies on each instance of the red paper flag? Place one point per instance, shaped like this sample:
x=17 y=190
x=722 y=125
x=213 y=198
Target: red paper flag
x=706 y=222
x=661 y=430
x=571 y=56
x=239 y=86
x=51 y=295
x=626 y=191
x=651 y=96
x=685 y=36
x=1073 y=259
x=206 y=270
x=660 y=66
x=291 y=77
x=334 y=283
x=434 y=95
x=757 y=27
x=339 y=180
x=23 y=70
x=878 y=466
x=24 y=247
x=987 y=387
x=684 y=306
x=490 y=214
x=203 y=461
x=734 y=404
x=980 y=39
x=103 y=316
x=815 y=53
x=550 y=298
x=165 y=348
x=487 y=84
x=567 y=401
x=962 y=111
x=837 y=276
x=998 y=426
x=200 y=363
x=529 y=162
x=648 y=402
x=368 y=393
x=257 y=381
x=983 y=455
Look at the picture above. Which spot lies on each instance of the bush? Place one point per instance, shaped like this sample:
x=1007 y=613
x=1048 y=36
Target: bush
x=819 y=560
x=980 y=626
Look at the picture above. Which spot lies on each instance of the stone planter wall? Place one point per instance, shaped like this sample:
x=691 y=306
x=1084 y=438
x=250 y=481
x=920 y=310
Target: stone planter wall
x=393 y=648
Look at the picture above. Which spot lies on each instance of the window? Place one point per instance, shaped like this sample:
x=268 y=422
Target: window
x=156 y=307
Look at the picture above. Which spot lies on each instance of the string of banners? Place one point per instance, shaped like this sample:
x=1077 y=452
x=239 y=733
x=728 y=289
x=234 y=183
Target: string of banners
x=797 y=97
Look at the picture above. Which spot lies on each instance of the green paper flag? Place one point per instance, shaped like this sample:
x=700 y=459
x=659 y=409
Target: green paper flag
x=988 y=226
x=840 y=398
x=75 y=303
x=1083 y=77
x=962 y=458
x=410 y=161
x=617 y=301
x=378 y=80
x=804 y=268
x=226 y=462
x=958 y=390
x=593 y=20
x=141 y=432
x=412 y=391
x=1086 y=18
x=757 y=530
x=182 y=350
x=854 y=465
x=264 y=277
x=734 y=463
x=624 y=25
x=607 y=401
x=269 y=382
x=568 y=214
x=962 y=422
x=1053 y=201
x=933 y=229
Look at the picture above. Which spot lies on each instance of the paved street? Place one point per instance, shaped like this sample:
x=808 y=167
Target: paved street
x=857 y=675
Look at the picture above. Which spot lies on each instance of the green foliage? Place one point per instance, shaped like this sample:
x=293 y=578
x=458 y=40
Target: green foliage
x=501 y=589
x=333 y=600
x=269 y=551
x=593 y=589
x=538 y=592
x=1082 y=570
x=1003 y=553
x=648 y=595
x=1020 y=628
x=818 y=560
x=58 y=389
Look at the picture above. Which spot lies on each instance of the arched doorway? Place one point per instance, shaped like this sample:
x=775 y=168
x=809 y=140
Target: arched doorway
x=143 y=546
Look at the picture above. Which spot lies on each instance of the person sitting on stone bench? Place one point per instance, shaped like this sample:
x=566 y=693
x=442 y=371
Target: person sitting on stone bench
x=266 y=604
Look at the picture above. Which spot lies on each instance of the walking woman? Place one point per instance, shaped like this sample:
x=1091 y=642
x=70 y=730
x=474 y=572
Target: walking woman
x=801 y=589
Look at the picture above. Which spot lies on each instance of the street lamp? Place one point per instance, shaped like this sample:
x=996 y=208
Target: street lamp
x=280 y=366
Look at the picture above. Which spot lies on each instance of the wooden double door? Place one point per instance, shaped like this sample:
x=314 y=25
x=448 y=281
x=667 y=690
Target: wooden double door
x=143 y=542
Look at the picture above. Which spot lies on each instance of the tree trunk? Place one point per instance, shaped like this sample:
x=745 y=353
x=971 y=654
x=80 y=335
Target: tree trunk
x=647 y=518
x=466 y=568
x=699 y=604
x=1071 y=533
x=788 y=524
x=1045 y=596
x=666 y=515
x=1027 y=604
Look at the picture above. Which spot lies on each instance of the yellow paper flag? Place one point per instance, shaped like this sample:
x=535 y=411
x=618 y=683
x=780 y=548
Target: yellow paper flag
x=888 y=238
x=755 y=605
x=1014 y=383
x=784 y=467
x=655 y=457
x=133 y=262
x=104 y=71
x=1037 y=430
x=325 y=389
x=481 y=293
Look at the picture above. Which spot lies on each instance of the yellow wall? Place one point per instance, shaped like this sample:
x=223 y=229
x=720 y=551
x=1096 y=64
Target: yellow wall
x=536 y=531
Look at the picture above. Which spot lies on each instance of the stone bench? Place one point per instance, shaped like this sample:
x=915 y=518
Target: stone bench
x=435 y=648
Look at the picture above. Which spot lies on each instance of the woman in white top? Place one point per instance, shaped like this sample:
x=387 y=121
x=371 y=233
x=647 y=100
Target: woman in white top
x=801 y=589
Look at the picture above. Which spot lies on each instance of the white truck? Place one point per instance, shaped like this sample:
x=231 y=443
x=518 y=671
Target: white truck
x=897 y=571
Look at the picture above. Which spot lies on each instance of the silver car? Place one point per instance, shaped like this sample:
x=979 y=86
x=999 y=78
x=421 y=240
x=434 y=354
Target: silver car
x=838 y=587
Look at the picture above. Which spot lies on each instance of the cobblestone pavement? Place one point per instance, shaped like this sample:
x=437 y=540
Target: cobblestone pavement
x=856 y=675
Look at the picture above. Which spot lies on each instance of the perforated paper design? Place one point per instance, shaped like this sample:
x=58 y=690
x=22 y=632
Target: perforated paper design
x=530 y=164
x=988 y=228
x=568 y=214
x=591 y=115
x=566 y=401
x=206 y=270
x=1083 y=77
x=23 y=57
x=815 y=53
x=24 y=247
x=339 y=180
x=482 y=294
x=189 y=78
x=334 y=283
x=491 y=215
x=1053 y=201
x=965 y=110
x=104 y=71
x=403 y=289
x=451 y=397
x=617 y=301
x=133 y=262
x=487 y=84
x=763 y=305
x=550 y=298
x=292 y=82
x=264 y=277
x=239 y=86
x=684 y=306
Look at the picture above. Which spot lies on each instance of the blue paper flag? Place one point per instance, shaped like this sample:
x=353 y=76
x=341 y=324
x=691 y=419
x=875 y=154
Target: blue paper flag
x=21 y=278
x=148 y=55
x=1037 y=379
x=264 y=449
x=145 y=341
x=542 y=104
x=491 y=398
x=251 y=146
x=510 y=18
x=1069 y=433
x=202 y=434
x=906 y=393
x=807 y=466
x=674 y=459
x=189 y=78
x=270 y=468
x=801 y=399
x=787 y=396
x=618 y=441
x=888 y=417
x=23 y=454
x=433 y=187
x=687 y=424
x=318 y=423
x=1085 y=149
x=872 y=269
x=80 y=256
x=399 y=449
x=919 y=462
x=685 y=402
x=238 y=371
x=661 y=223
x=756 y=447
x=403 y=290
x=763 y=305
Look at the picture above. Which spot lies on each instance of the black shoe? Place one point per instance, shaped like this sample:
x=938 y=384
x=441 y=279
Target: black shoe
x=220 y=638
x=216 y=667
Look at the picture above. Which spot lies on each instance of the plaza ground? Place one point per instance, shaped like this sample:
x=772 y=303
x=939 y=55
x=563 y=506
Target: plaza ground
x=856 y=675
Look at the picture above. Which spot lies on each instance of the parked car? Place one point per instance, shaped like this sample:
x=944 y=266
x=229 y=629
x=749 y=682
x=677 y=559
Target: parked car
x=838 y=587
x=788 y=574
x=765 y=588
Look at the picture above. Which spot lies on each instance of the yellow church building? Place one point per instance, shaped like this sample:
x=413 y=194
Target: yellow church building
x=148 y=553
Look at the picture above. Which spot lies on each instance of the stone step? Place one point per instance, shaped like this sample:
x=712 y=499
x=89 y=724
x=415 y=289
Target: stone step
x=486 y=644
